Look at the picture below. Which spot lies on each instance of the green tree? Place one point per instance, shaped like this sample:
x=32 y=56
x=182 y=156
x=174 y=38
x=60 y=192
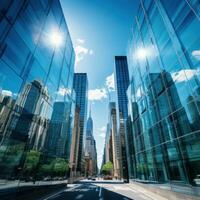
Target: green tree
x=31 y=163
x=60 y=166
x=107 y=168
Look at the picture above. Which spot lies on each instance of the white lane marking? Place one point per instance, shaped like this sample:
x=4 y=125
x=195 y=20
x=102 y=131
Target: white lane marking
x=144 y=197
x=79 y=196
x=120 y=188
x=133 y=190
x=100 y=192
x=58 y=193
x=54 y=195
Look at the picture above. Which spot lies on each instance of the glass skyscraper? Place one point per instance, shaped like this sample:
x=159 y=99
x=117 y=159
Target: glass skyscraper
x=122 y=83
x=80 y=85
x=36 y=79
x=164 y=95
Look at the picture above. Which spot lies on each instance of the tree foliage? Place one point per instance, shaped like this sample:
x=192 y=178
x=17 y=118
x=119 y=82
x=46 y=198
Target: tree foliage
x=107 y=168
x=32 y=160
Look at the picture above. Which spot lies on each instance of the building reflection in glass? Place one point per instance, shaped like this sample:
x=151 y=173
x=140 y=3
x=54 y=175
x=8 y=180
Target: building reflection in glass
x=36 y=80
x=164 y=97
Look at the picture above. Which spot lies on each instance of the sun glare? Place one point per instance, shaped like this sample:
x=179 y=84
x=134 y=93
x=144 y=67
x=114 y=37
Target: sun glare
x=141 y=53
x=55 y=38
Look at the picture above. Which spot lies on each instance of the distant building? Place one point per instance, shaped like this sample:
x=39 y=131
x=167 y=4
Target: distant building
x=80 y=85
x=6 y=105
x=116 y=150
x=90 y=149
x=89 y=126
x=112 y=149
x=59 y=130
x=75 y=145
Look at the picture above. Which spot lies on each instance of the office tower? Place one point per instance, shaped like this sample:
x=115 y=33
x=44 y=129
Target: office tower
x=164 y=65
x=80 y=85
x=6 y=104
x=75 y=144
x=108 y=145
x=116 y=151
x=89 y=126
x=90 y=149
x=122 y=83
x=36 y=70
x=59 y=130
x=129 y=129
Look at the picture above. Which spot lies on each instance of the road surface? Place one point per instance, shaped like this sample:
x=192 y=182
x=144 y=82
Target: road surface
x=99 y=190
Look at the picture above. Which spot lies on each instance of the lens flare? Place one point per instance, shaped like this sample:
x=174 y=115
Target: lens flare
x=55 y=38
x=141 y=53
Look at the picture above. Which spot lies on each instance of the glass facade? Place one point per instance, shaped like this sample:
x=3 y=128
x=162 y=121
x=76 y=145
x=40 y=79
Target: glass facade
x=122 y=83
x=164 y=95
x=80 y=85
x=36 y=76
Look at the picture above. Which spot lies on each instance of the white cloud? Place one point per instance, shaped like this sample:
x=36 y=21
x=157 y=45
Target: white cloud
x=196 y=54
x=63 y=91
x=102 y=93
x=110 y=82
x=97 y=94
x=185 y=75
x=102 y=131
x=81 y=51
x=80 y=41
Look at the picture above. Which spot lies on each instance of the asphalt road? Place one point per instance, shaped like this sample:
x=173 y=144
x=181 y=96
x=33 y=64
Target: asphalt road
x=97 y=190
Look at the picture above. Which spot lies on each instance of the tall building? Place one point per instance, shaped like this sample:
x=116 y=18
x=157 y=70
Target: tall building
x=36 y=73
x=164 y=97
x=59 y=130
x=108 y=145
x=89 y=126
x=80 y=85
x=75 y=145
x=122 y=83
x=112 y=148
x=116 y=151
x=90 y=149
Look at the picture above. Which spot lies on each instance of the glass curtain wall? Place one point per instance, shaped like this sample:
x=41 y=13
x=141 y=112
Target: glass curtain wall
x=36 y=76
x=164 y=62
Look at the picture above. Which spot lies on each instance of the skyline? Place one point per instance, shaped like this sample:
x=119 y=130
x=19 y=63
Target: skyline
x=100 y=99
x=104 y=26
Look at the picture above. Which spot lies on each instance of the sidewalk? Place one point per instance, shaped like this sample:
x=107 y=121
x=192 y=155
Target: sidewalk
x=157 y=192
x=145 y=191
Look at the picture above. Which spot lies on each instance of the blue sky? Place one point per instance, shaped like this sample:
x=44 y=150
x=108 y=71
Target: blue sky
x=100 y=29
